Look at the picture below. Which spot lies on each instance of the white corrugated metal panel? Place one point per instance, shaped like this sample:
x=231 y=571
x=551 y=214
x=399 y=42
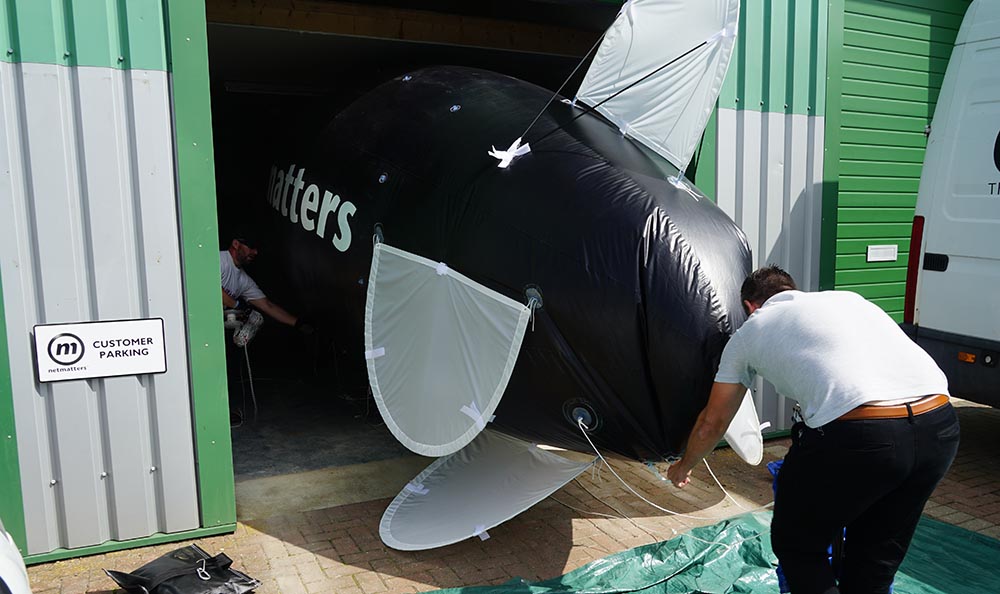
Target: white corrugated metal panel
x=770 y=181
x=88 y=231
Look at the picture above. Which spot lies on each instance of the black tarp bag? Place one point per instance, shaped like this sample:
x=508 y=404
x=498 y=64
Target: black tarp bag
x=187 y=570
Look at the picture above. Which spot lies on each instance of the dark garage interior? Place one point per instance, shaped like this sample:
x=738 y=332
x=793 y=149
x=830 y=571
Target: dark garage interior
x=279 y=71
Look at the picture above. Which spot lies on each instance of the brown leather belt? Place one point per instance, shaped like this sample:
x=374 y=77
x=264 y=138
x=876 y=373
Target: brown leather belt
x=919 y=407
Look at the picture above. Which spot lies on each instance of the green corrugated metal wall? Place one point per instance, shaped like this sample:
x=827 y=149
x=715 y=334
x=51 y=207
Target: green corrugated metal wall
x=160 y=37
x=104 y=33
x=894 y=57
x=777 y=65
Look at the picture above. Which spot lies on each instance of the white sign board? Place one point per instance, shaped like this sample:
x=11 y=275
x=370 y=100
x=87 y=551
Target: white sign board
x=883 y=253
x=99 y=349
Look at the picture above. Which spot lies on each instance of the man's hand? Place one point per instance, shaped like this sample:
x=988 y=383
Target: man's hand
x=305 y=326
x=678 y=474
x=711 y=425
x=273 y=310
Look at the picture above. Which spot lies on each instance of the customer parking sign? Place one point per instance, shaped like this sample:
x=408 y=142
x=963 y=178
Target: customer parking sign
x=99 y=349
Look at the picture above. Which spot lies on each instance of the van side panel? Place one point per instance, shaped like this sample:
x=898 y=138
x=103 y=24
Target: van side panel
x=959 y=284
x=957 y=317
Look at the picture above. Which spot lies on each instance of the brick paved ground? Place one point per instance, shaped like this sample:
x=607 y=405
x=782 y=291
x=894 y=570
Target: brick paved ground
x=338 y=549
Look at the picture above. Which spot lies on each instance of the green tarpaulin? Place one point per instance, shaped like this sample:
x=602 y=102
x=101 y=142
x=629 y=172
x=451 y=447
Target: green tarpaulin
x=735 y=556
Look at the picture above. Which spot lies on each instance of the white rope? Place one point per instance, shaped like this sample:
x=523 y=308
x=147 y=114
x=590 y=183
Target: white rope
x=568 y=78
x=533 y=305
x=624 y=516
x=621 y=516
x=718 y=482
x=253 y=393
x=711 y=544
x=583 y=429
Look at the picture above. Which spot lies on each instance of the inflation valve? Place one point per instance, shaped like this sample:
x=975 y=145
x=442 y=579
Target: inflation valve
x=578 y=411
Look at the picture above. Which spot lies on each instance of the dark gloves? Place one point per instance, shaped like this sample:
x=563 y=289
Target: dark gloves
x=305 y=326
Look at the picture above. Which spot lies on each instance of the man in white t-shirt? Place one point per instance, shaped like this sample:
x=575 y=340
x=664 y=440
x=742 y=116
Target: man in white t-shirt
x=877 y=432
x=239 y=290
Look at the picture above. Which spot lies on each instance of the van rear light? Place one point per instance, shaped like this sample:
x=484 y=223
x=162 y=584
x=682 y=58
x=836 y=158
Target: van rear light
x=912 y=269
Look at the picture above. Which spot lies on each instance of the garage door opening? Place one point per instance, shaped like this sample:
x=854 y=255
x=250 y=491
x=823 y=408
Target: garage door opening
x=301 y=402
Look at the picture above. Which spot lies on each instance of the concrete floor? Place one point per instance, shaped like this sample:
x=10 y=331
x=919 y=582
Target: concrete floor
x=305 y=425
x=329 y=543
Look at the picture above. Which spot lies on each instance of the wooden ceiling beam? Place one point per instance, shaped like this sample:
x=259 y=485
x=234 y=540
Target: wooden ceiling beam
x=350 y=18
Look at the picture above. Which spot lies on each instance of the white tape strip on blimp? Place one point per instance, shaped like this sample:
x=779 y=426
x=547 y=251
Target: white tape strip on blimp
x=417 y=488
x=472 y=411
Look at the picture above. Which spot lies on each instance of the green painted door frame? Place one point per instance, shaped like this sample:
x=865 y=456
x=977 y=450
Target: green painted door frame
x=11 y=502
x=831 y=140
x=187 y=56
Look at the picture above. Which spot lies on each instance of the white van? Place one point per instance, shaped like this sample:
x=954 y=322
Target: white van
x=952 y=306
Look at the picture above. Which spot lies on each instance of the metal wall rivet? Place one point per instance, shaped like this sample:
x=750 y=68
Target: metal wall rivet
x=53 y=482
x=407 y=78
x=383 y=178
x=66 y=54
x=455 y=108
x=152 y=469
x=121 y=58
x=104 y=475
x=10 y=51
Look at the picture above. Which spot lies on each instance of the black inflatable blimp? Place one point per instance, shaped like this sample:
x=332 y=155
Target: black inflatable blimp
x=637 y=276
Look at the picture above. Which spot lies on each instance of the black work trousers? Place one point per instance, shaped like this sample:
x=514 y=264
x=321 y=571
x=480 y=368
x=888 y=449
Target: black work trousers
x=871 y=476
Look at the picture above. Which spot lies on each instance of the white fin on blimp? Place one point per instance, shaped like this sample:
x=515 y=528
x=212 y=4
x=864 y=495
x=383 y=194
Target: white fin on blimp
x=463 y=495
x=440 y=350
x=744 y=434
x=668 y=108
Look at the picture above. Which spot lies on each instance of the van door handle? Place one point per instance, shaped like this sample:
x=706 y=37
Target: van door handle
x=936 y=262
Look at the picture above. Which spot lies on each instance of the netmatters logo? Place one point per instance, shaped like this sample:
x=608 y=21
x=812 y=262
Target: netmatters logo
x=66 y=349
x=314 y=208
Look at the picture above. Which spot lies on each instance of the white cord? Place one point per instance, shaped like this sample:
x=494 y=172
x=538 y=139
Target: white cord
x=583 y=429
x=726 y=547
x=653 y=532
x=253 y=394
x=568 y=78
x=718 y=482
x=620 y=516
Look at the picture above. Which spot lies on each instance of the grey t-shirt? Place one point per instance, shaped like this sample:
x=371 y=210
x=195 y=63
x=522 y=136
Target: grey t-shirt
x=235 y=282
x=832 y=351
